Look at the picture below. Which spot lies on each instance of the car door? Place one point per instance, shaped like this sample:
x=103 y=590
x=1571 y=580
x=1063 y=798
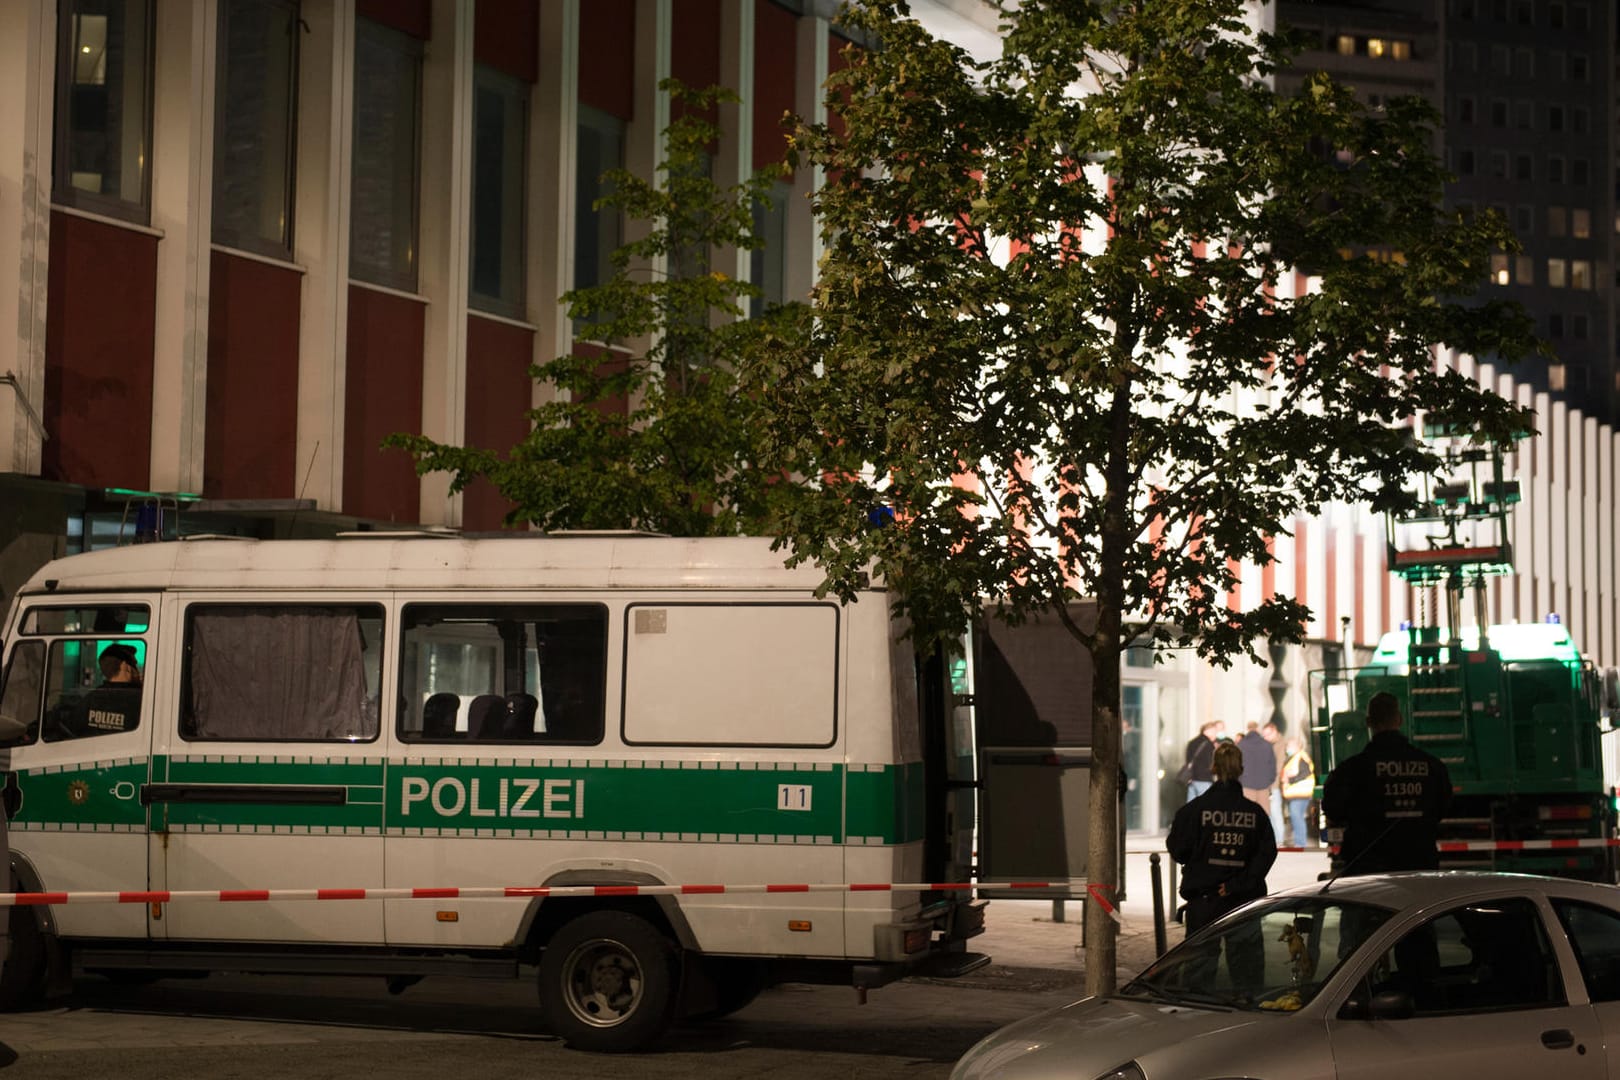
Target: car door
x=1488 y=1001
x=1593 y=930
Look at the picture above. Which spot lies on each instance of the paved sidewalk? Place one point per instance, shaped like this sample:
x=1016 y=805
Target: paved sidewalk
x=1023 y=934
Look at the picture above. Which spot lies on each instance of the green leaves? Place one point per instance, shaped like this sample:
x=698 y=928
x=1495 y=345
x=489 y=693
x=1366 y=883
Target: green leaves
x=1057 y=328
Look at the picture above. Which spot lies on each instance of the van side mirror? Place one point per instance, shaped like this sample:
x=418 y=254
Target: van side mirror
x=12 y=730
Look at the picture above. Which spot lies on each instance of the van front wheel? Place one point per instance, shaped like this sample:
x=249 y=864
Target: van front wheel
x=607 y=982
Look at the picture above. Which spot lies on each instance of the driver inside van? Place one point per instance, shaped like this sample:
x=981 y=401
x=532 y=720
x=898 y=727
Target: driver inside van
x=115 y=705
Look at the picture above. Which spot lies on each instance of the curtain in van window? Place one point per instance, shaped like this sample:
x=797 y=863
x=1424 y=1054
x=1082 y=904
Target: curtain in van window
x=271 y=674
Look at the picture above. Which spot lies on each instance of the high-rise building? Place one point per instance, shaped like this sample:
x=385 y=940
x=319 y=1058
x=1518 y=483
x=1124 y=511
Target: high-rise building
x=1526 y=92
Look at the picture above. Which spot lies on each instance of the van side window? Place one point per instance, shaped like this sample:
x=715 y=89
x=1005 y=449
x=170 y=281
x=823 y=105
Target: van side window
x=503 y=673
x=93 y=688
x=281 y=673
x=19 y=698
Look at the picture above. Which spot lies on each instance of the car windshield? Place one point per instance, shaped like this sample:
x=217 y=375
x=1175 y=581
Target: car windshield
x=1273 y=955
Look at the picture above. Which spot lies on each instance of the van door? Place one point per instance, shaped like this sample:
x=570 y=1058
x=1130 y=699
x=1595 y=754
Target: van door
x=270 y=770
x=84 y=676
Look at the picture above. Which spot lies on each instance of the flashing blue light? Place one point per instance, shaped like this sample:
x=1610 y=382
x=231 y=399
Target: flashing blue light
x=1406 y=624
x=879 y=516
x=1552 y=619
x=148 y=523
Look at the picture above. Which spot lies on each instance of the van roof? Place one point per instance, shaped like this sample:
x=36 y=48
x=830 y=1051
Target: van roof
x=429 y=561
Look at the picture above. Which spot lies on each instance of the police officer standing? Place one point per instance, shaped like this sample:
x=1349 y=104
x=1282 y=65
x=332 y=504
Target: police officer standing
x=1388 y=799
x=1224 y=842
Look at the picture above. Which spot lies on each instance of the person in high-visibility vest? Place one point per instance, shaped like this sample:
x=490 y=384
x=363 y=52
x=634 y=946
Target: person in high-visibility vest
x=1298 y=789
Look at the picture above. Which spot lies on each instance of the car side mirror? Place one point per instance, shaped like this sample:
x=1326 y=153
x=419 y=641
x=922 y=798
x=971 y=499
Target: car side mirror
x=1391 y=1005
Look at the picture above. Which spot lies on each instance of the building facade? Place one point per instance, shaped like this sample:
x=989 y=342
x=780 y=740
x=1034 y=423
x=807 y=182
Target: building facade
x=249 y=239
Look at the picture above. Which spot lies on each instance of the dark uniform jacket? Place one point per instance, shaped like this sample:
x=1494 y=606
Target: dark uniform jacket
x=1200 y=755
x=1389 y=799
x=1222 y=838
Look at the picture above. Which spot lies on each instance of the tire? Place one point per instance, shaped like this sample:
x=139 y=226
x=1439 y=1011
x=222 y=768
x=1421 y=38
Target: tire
x=22 y=977
x=735 y=983
x=608 y=981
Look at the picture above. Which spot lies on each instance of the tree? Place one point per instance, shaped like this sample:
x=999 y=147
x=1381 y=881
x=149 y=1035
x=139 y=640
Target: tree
x=1055 y=335
x=648 y=429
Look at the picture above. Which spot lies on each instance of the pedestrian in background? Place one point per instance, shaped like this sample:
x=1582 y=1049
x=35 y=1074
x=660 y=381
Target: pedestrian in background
x=1274 y=800
x=1196 y=771
x=1298 y=789
x=1259 y=768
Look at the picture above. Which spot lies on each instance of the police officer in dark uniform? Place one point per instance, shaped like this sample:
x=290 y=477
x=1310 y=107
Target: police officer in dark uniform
x=1224 y=842
x=1388 y=799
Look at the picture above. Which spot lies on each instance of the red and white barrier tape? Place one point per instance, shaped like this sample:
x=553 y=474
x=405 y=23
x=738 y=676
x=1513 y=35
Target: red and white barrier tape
x=172 y=896
x=1529 y=845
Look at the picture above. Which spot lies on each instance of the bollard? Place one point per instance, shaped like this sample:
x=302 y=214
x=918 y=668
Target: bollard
x=1159 y=943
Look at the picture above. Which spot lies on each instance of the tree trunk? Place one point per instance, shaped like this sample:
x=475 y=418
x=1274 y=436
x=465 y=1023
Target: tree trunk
x=1102 y=861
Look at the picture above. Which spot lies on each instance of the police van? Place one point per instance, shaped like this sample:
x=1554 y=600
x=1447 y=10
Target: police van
x=390 y=711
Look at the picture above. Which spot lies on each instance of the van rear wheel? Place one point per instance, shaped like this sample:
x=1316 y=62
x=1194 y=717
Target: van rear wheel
x=607 y=982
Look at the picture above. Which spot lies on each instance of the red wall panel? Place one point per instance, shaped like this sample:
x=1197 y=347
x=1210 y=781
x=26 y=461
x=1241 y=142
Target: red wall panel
x=100 y=323
x=694 y=45
x=250 y=446
x=498 y=393
x=506 y=37
x=607 y=56
x=383 y=396
x=776 y=49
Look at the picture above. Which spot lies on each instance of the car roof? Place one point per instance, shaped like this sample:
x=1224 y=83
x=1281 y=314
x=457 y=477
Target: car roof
x=1422 y=888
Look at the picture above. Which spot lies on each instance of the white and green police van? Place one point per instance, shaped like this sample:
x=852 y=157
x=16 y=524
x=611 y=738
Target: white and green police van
x=387 y=711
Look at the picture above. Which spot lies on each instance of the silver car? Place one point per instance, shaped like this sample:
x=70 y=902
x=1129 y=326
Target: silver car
x=1446 y=974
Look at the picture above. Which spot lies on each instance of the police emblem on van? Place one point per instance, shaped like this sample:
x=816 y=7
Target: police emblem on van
x=78 y=792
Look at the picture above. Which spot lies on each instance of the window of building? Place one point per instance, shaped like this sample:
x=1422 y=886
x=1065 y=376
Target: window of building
x=1557 y=273
x=1465 y=110
x=1524 y=219
x=503 y=673
x=1464 y=9
x=1559 y=64
x=1377 y=47
x=597 y=232
x=1467 y=56
x=1345 y=45
x=327 y=660
x=1500 y=274
x=1524 y=114
x=1465 y=163
x=1524 y=63
x=1580 y=223
x=1555 y=118
x=1400 y=50
x=1557 y=221
x=1499 y=113
x=1499 y=164
x=1580 y=171
x=1580 y=274
x=499 y=153
x=1578 y=119
x=1555 y=169
x=1524 y=270
x=1555 y=14
x=1578 y=67
x=768 y=263
x=103 y=133
x=1524 y=167
x=1501 y=60
x=1583 y=17
x=1555 y=325
x=386 y=162
x=255 y=138
x=1525 y=13
x=1581 y=325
